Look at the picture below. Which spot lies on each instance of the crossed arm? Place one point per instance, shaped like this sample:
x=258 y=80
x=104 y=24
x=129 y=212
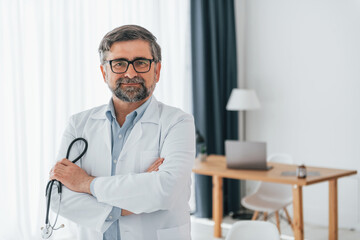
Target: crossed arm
x=77 y=180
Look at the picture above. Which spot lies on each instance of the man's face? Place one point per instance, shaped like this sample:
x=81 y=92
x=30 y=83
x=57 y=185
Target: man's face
x=131 y=86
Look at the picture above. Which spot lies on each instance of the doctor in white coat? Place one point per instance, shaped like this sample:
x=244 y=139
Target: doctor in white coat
x=148 y=181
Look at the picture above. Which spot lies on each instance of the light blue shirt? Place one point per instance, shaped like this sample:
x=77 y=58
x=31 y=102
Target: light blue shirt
x=119 y=136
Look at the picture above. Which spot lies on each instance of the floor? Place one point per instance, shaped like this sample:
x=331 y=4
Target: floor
x=202 y=229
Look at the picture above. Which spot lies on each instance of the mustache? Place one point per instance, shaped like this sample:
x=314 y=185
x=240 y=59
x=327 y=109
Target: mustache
x=130 y=80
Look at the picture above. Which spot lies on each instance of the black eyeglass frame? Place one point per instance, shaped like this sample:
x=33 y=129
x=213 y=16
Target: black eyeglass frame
x=128 y=64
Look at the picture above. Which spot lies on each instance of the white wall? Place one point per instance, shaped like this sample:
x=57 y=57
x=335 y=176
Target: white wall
x=303 y=59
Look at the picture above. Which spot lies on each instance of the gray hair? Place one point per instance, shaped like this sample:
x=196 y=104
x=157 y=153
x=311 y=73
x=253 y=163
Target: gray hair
x=128 y=33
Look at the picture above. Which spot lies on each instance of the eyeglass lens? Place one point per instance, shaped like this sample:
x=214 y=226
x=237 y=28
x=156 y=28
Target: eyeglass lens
x=140 y=65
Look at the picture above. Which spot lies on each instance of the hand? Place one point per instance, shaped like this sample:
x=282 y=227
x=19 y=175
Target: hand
x=153 y=168
x=125 y=212
x=72 y=176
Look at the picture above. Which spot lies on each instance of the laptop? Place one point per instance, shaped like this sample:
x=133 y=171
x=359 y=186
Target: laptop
x=246 y=155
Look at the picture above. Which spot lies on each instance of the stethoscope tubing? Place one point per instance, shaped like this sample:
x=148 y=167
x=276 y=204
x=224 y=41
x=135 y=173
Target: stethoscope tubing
x=50 y=184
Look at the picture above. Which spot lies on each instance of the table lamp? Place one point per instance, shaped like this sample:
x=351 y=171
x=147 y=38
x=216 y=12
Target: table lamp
x=242 y=100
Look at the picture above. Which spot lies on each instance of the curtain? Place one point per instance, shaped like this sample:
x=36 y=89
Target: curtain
x=49 y=69
x=214 y=76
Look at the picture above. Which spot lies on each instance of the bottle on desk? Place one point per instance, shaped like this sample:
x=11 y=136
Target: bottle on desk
x=301 y=171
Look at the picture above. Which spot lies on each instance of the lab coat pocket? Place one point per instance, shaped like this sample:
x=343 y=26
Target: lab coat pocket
x=176 y=233
x=147 y=158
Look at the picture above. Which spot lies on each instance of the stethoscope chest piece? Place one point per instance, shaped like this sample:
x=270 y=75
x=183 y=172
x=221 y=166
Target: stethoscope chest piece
x=46 y=232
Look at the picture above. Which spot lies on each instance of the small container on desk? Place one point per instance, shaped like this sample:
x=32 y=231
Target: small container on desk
x=301 y=171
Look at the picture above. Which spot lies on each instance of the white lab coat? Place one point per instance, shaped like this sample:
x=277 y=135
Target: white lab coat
x=158 y=199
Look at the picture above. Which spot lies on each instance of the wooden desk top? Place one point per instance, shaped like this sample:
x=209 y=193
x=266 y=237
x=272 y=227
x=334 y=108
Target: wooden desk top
x=216 y=165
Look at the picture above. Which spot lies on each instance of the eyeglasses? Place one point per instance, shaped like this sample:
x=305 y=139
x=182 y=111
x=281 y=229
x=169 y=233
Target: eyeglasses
x=141 y=65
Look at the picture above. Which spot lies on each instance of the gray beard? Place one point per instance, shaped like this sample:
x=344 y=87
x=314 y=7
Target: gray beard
x=132 y=94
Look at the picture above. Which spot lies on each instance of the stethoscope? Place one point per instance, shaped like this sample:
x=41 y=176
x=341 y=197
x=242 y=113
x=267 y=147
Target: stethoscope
x=49 y=228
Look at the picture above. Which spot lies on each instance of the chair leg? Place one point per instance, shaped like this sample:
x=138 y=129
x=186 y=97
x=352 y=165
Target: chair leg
x=265 y=216
x=277 y=220
x=288 y=218
x=255 y=215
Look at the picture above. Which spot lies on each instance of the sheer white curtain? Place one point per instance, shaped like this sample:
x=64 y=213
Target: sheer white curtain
x=49 y=69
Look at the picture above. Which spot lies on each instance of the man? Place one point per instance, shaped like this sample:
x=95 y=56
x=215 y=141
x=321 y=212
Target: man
x=134 y=180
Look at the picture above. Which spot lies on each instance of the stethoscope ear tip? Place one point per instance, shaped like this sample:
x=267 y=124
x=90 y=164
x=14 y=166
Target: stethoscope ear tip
x=61 y=226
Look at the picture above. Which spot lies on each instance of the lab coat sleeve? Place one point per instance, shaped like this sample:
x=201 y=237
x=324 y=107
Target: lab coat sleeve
x=149 y=192
x=80 y=208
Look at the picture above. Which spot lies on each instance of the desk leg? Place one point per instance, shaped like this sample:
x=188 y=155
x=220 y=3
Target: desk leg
x=298 y=213
x=333 y=210
x=217 y=204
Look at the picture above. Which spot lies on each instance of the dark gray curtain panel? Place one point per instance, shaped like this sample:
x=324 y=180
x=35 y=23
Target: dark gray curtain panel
x=214 y=75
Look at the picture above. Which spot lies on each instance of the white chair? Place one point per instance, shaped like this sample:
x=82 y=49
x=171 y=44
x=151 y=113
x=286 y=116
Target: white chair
x=253 y=230
x=271 y=197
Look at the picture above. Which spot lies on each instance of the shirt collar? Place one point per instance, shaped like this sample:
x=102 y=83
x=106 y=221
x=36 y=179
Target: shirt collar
x=134 y=115
x=110 y=111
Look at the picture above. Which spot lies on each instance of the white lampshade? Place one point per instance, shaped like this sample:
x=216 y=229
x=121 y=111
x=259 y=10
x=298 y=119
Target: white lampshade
x=242 y=99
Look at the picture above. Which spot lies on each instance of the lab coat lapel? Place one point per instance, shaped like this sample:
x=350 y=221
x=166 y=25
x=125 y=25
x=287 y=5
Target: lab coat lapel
x=105 y=135
x=104 y=166
x=106 y=127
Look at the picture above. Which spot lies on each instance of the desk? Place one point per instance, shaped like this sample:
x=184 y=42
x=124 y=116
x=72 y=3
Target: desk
x=215 y=166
